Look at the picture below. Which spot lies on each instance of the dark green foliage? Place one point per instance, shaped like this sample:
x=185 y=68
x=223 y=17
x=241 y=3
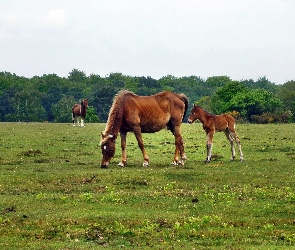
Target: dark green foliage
x=50 y=97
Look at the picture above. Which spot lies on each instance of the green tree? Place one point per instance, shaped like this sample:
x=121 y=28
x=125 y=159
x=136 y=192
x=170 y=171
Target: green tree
x=220 y=100
x=218 y=81
x=287 y=95
x=62 y=110
x=102 y=101
x=91 y=115
x=28 y=107
x=77 y=76
x=204 y=102
x=254 y=102
x=148 y=86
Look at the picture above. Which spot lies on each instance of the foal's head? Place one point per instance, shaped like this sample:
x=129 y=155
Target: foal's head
x=108 y=148
x=195 y=114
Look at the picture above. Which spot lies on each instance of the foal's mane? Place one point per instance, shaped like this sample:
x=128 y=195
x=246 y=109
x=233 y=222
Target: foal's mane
x=117 y=103
x=207 y=112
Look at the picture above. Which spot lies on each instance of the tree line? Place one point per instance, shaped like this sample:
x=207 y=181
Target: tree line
x=50 y=97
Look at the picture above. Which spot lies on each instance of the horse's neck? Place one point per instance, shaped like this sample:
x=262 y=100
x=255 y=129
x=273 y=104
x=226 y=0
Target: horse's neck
x=114 y=124
x=205 y=117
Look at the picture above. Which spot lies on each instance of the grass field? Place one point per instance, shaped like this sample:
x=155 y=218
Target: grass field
x=53 y=194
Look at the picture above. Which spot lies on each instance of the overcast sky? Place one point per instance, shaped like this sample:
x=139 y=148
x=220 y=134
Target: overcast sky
x=243 y=39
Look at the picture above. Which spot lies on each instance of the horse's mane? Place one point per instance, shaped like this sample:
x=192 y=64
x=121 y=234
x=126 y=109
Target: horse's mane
x=117 y=103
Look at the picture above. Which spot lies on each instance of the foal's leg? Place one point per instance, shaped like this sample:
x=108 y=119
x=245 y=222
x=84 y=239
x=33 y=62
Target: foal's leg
x=82 y=122
x=231 y=140
x=137 y=132
x=209 y=145
x=123 y=146
x=239 y=145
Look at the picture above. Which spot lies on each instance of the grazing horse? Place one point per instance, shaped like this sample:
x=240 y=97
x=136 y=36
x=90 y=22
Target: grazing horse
x=80 y=110
x=143 y=114
x=216 y=123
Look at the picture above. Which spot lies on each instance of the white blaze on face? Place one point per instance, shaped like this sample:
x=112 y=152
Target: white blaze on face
x=104 y=147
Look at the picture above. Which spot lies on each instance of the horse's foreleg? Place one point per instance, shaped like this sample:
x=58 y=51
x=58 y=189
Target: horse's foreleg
x=231 y=141
x=82 y=122
x=137 y=132
x=73 y=119
x=209 y=145
x=124 y=153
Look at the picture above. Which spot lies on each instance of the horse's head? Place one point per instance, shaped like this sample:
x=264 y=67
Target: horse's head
x=194 y=115
x=85 y=103
x=108 y=148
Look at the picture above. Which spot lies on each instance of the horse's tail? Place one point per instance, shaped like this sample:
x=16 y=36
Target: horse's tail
x=184 y=98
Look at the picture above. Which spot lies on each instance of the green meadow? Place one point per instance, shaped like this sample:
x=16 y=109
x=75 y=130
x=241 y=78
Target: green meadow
x=54 y=195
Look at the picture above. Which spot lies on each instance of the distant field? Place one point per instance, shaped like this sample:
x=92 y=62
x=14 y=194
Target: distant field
x=53 y=194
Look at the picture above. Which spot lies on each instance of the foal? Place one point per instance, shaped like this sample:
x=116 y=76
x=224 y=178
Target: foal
x=216 y=123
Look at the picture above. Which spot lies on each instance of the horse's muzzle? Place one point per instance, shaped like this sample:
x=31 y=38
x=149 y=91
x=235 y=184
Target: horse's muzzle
x=104 y=166
x=189 y=121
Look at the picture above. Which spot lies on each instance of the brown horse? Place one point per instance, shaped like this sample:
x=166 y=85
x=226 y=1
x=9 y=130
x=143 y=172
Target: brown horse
x=80 y=110
x=216 y=123
x=143 y=114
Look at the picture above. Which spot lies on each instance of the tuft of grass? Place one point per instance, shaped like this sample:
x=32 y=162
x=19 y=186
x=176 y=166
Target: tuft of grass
x=54 y=195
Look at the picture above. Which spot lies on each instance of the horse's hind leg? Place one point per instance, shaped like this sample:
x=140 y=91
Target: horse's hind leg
x=239 y=146
x=137 y=133
x=179 y=148
x=233 y=136
x=209 y=146
x=231 y=141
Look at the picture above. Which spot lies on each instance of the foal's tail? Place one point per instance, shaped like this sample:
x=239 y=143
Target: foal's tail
x=184 y=98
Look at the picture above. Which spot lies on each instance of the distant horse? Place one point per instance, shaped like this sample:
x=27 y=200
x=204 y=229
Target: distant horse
x=79 y=110
x=216 y=123
x=143 y=114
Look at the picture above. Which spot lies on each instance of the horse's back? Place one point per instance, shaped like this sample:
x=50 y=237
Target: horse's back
x=229 y=118
x=153 y=112
x=74 y=108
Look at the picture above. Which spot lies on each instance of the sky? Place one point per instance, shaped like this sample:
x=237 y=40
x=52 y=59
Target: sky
x=241 y=39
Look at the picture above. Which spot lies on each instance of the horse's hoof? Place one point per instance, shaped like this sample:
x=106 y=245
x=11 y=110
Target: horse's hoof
x=174 y=163
x=184 y=157
x=121 y=164
x=103 y=166
x=181 y=163
x=145 y=164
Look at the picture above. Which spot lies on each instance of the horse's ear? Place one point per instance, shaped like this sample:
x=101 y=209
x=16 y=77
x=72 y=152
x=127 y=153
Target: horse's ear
x=194 y=105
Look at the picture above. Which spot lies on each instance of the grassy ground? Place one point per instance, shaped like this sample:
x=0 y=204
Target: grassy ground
x=53 y=194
